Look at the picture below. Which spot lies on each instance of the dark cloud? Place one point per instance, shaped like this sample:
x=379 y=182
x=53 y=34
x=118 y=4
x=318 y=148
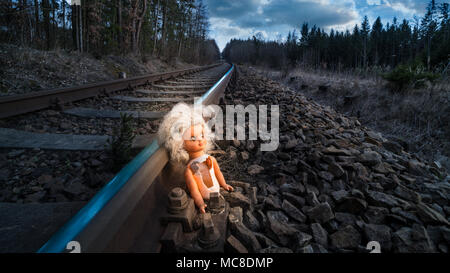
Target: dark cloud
x=294 y=13
x=231 y=9
x=281 y=12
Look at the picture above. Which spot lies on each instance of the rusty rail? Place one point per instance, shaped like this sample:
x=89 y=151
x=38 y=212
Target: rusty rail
x=21 y=104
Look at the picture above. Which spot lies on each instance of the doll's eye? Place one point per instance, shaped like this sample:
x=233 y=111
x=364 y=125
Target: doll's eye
x=193 y=138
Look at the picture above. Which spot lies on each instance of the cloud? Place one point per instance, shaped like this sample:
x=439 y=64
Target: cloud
x=243 y=18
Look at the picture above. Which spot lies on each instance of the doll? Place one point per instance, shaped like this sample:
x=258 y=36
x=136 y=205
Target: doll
x=187 y=137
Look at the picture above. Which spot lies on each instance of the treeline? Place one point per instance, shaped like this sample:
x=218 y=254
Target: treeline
x=164 y=28
x=424 y=42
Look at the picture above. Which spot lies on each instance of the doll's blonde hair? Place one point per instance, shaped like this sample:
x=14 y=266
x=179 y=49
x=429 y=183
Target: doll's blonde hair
x=173 y=126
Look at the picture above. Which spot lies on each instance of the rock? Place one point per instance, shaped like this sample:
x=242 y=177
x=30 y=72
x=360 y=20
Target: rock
x=296 y=189
x=370 y=158
x=407 y=194
x=251 y=222
x=321 y=213
x=275 y=250
x=254 y=169
x=345 y=218
x=347 y=237
x=317 y=248
x=352 y=205
x=245 y=156
x=393 y=147
x=237 y=199
x=293 y=212
x=237 y=212
x=326 y=175
x=35 y=197
x=305 y=249
x=264 y=241
x=75 y=188
x=312 y=200
x=243 y=234
x=379 y=233
x=271 y=202
x=278 y=228
x=302 y=239
x=95 y=163
x=375 y=215
x=339 y=196
x=381 y=199
x=291 y=144
x=320 y=235
x=235 y=246
x=406 y=215
x=412 y=240
x=294 y=200
x=428 y=215
x=336 y=170
x=333 y=151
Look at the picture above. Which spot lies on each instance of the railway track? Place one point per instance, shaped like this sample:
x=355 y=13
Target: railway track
x=75 y=124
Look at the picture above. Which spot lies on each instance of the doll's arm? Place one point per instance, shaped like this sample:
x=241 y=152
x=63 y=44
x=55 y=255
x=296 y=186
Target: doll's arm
x=219 y=176
x=193 y=189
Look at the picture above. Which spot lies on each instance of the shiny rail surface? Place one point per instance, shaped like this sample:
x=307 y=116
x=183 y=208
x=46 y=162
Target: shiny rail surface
x=124 y=215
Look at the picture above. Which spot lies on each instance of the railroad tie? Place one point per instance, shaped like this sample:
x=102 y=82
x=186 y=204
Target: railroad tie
x=11 y=138
x=95 y=113
x=134 y=99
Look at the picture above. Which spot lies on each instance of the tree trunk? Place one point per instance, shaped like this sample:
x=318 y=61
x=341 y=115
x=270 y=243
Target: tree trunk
x=156 y=27
x=36 y=18
x=64 y=23
x=119 y=23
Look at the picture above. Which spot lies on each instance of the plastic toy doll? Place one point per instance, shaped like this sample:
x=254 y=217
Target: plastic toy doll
x=187 y=137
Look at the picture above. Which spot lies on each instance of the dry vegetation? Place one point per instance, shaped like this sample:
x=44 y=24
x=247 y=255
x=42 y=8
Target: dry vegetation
x=24 y=70
x=418 y=118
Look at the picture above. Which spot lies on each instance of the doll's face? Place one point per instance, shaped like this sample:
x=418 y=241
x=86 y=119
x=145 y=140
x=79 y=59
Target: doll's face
x=194 y=139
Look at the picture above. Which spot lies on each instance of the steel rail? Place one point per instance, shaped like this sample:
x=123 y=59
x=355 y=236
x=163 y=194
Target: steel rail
x=20 y=104
x=111 y=220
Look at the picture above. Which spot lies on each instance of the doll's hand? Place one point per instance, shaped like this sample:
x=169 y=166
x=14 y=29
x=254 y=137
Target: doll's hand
x=202 y=208
x=228 y=188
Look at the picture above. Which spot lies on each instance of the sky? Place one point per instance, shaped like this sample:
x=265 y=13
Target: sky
x=272 y=18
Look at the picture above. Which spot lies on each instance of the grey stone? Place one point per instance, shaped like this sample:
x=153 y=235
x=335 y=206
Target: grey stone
x=243 y=234
x=336 y=170
x=379 y=233
x=305 y=249
x=237 y=199
x=413 y=240
x=370 y=158
x=271 y=250
x=428 y=215
x=321 y=213
x=381 y=199
x=235 y=246
x=347 y=237
x=293 y=199
x=376 y=215
x=237 y=212
x=293 y=212
x=278 y=228
x=320 y=235
x=251 y=222
x=345 y=218
x=339 y=196
x=352 y=205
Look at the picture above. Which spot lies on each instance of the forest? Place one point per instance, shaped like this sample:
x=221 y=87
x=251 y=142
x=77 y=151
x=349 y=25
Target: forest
x=168 y=29
x=420 y=42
